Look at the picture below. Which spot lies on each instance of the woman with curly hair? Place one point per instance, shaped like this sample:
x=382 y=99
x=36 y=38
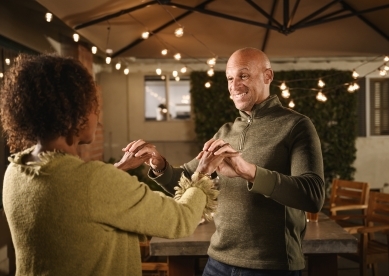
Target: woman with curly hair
x=68 y=216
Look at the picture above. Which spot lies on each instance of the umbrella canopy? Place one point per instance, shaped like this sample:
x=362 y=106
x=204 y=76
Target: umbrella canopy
x=215 y=28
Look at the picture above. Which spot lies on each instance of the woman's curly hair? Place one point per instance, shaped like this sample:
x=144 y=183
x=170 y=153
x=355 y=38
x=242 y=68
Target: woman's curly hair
x=44 y=97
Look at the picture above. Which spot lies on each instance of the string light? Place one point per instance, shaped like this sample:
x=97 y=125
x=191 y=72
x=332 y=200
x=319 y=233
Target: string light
x=126 y=71
x=321 y=83
x=118 y=66
x=382 y=72
x=291 y=104
x=145 y=35
x=283 y=86
x=164 y=52
x=321 y=97
x=386 y=58
x=1 y=75
x=177 y=78
x=48 y=16
x=211 y=62
x=183 y=70
x=76 y=37
x=285 y=93
x=177 y=56
x=386 y=68
x=108 y=58
x=175 y=73
x=210 y=72
x=158 y=71
x=207 y=84
x=179 y=32
x=7 y=61
x=94 y=49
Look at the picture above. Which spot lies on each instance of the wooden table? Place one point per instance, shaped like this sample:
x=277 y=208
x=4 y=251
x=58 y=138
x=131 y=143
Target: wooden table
x=323 y=241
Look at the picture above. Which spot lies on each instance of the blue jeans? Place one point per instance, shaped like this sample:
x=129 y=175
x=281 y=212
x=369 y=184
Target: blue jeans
x=215 y=268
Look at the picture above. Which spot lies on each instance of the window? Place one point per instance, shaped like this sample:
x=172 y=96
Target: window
x=379 y=107
x=166 y=99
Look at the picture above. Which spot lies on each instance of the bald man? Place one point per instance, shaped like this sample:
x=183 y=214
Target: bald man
x=265 y=191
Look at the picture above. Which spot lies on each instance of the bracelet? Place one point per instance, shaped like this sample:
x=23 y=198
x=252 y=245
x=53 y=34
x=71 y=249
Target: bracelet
x=161 y=170
x=200 y=175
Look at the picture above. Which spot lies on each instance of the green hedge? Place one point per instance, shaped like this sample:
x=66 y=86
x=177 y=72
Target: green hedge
x=335 y=120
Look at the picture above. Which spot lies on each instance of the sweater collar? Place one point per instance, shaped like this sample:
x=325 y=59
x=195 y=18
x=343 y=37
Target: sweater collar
x=33 y=168
x=262 y=108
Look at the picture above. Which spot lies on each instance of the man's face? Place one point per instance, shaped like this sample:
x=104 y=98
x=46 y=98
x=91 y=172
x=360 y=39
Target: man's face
x=246 y=83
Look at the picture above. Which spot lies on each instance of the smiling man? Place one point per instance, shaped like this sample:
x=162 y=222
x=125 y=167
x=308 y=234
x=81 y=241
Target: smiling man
x=264 y=191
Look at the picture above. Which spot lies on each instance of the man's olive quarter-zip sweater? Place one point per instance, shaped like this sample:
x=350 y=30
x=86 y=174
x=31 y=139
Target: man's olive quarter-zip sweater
x=261 y=225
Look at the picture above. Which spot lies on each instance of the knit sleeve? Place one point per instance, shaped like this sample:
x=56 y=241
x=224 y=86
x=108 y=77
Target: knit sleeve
x=304 y=188
x=119 y=200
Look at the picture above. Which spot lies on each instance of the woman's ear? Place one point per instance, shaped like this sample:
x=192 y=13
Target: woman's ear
x=69 y=138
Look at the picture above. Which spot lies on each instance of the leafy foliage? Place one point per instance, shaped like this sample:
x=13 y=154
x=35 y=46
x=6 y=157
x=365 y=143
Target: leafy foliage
x=335 y=120
x=212 y=106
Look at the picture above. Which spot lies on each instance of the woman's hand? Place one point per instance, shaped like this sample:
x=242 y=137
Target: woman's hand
x=130 y=161
x=146 y=152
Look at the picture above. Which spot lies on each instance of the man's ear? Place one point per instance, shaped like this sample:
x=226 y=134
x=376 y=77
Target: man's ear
x=268 y=76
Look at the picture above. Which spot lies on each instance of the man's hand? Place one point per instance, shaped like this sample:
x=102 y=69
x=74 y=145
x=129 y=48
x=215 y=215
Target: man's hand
x=232 y=166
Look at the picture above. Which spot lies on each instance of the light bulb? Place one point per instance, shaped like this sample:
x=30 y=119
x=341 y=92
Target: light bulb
x=207 y=84
x=177 y=56
x=183 y=69
x=351 y=88
x=48 y=16
x=211 y=62
x=285 y=93
x=108 y=60
x=158 y=71
x=210 y=72
x=355 y=74
x=164 y=52
x=163 y=77
x=386 y=68
x=118 y=65
x=145 y=35
x=179 y=32
x=126 y=71
x=321 y=97
x=321 y=83
x=175 y=73
x=386 y=58
x=7 y=61
x=382 y=72
x=94 y=49
x=291 y=104
x=177 y=78
x=1 y=75
x=283 y=86
x=109 y=51
x=76 y=37
x=356 y=86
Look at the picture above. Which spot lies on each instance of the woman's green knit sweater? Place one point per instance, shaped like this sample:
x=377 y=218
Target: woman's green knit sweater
x=70 y=217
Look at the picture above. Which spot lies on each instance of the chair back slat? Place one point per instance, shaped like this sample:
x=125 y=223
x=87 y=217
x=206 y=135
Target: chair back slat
x=378 y=209
x=347 y=192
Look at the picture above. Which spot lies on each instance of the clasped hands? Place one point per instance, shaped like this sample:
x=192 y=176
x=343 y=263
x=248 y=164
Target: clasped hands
x=216 y=155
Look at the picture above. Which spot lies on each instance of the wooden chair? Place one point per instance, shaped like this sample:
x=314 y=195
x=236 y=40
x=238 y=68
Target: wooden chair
x=373 y=249
x=151 y=266
x=348 y=197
